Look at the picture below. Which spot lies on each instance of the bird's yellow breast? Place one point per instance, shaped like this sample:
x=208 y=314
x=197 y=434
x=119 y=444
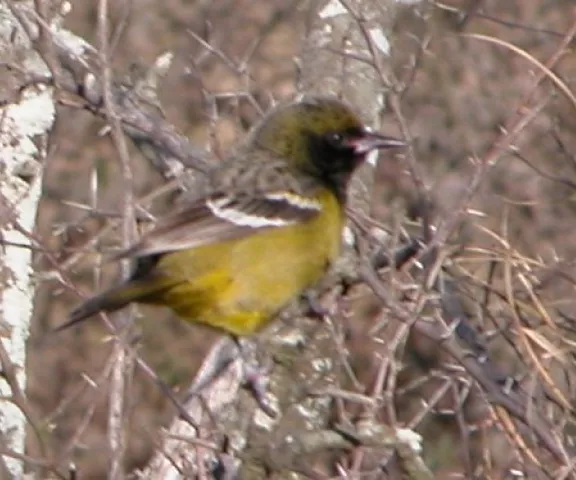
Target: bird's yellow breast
x=238 y=285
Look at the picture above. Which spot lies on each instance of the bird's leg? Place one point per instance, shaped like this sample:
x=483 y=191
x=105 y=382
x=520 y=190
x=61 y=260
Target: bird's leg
x=255 y=375
x=218 y=359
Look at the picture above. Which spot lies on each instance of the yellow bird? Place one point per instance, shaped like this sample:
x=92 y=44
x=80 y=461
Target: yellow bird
x=268 y=230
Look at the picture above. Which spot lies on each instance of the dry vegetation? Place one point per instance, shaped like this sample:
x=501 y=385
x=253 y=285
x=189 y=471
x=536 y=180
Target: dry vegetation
x=493 y=137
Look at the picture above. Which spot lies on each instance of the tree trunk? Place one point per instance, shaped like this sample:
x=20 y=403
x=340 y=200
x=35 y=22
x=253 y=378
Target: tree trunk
x=27 y=116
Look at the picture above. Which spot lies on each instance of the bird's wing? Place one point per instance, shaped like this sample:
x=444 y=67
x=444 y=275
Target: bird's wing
x=224 y=216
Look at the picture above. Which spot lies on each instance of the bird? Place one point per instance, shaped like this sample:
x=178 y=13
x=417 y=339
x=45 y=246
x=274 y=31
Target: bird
x=265 y=230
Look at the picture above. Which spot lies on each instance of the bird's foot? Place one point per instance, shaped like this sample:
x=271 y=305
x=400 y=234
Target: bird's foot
x=256 y=377
x=256 y=381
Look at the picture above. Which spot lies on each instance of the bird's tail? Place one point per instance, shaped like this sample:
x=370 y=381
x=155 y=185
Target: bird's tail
x=109 y=301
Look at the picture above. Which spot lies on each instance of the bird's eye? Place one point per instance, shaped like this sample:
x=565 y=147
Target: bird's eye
x=335 y=138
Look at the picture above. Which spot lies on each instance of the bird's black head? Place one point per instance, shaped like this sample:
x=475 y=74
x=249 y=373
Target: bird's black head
x=320 y=136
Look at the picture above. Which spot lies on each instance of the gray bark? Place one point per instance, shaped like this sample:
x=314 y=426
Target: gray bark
x=27 y=116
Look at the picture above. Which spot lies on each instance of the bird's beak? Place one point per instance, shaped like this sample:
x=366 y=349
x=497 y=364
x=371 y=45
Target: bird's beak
x=371 y=141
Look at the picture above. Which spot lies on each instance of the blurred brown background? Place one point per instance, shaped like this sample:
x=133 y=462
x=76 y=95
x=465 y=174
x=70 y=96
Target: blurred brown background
x=461 y=93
